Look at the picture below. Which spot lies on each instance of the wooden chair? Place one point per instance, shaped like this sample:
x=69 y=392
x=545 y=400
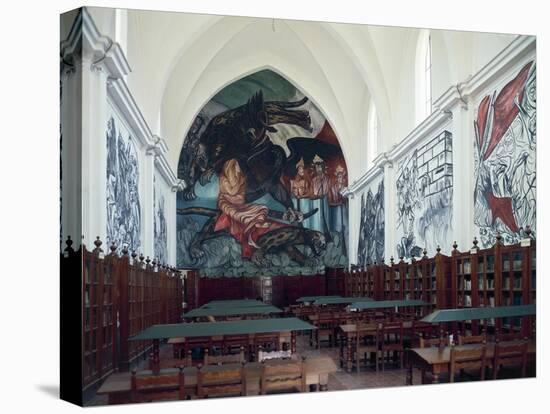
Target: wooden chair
x=234 y=343
x=325 y=328
x=472 y=339
x=221 y=381
x=267 y=342
x=164 y=386
x=391 y=341
x=367 y=343
x=470 y=358
x=175 y=362
x=511 y=354
x=509 y=336
x=224 y=359
x=283 y=376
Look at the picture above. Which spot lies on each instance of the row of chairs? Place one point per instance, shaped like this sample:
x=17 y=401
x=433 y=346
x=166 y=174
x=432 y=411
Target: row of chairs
x=227 y=345
x=509 y=351
x=228 y=380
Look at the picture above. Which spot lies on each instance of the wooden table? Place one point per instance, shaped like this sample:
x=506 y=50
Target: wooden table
x=240 y=303
x=245 y=332
x=117 y=386
x=225 y=311
x=437 y=361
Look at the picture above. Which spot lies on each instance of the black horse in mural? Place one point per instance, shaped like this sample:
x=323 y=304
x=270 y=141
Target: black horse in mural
x=241 y=134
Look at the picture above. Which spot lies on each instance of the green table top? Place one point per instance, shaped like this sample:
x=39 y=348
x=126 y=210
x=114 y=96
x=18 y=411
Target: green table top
x=466 y=314
x=314 y=298
x=340 y=300
x=380 y=304
x=187 y=330
x=229 y=311
x=238 y=303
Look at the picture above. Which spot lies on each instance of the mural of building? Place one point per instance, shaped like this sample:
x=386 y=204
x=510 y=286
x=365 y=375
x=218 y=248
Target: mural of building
x=424 y=185
x=371 y=228
x=505 y=160
x=123 y=203
x=264 y=174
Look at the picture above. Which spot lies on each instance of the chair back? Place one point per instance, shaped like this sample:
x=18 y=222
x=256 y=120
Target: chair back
x=433 y=342
x=283 y=375
x=468 y=358
x=472 y=339
x=510 y=354
x=224 y=359
x=221 y=381
x=164 y=386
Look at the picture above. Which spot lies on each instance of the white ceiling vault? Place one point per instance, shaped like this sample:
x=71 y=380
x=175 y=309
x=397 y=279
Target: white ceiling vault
x=180 y=61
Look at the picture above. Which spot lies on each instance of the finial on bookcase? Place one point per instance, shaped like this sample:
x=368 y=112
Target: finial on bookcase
x=134 y=255
x=113 y=248
x=147 y=260
x=401 y=259
x=455 y=245
x=438 y=249
x=97 y=244
x=69 y=249
x=141 y=257
x=424 y=253
x=475 y=242
x=154 y=262
x=391 y=260
x=124 y=249
x=498 y=238
x=527 y=231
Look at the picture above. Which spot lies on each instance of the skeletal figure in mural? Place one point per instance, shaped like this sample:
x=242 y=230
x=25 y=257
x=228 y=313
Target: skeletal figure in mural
x=505 y=169
x=160 y=227
x=371 y=228
x=424 y=198
x=123 y=206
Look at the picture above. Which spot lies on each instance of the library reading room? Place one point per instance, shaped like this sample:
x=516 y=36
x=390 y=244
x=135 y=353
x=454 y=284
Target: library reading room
x=254 y=206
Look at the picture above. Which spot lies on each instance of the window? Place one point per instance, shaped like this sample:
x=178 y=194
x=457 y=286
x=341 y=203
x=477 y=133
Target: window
x=372 y=137
x=428 y=77
x=423 y=76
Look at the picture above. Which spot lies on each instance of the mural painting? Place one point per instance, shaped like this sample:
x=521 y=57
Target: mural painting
x=123 y=204
x=263 y=171
x=160 y=227
x=424 y=187
x=505 y=160
x=371 y=229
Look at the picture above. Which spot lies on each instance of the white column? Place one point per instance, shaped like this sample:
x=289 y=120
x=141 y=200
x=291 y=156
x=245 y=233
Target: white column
x=147 y=206
x=389 y=211
x=71 y=154
x=94 y=151
x=463 y=176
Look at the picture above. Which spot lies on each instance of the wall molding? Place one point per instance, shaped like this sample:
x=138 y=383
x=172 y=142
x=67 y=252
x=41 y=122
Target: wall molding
x=85 y=44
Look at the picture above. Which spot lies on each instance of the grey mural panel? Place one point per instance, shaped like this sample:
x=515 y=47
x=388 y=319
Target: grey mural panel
x=424 y=185
x=160 y=226
x=123 y=204
x=505 y=160
x=371 y=229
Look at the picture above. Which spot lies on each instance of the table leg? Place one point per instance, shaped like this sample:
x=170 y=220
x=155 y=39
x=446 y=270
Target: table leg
x=348 y=355
x=409 y=378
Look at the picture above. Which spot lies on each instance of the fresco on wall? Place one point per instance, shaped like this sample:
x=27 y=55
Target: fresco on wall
x=123 y=205
x=263 y=171
x=424 y=187
x=505 y=160
x=371 y=229
x=160 y=227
